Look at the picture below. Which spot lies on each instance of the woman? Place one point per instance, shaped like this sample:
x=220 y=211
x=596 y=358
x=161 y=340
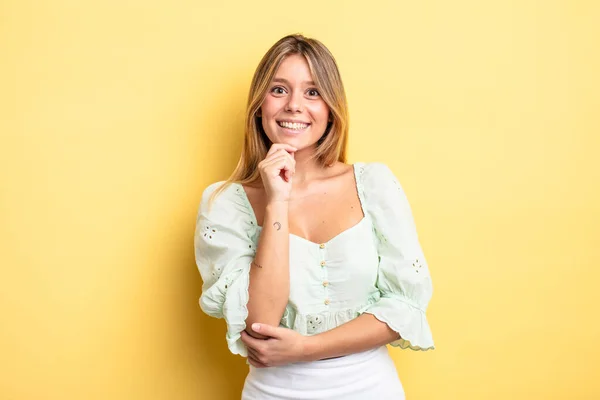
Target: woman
x=314 y=264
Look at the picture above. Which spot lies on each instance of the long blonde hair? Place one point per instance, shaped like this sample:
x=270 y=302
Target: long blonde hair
x=331 y=146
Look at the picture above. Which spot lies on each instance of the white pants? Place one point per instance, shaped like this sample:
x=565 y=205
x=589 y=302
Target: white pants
x=362 y=376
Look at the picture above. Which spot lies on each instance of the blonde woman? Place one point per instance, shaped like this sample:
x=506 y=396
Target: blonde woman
x=314 y=263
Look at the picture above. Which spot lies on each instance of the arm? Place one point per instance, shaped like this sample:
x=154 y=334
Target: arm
x=269 y=287
x=286 y=346
x=362 y=333
x=233 y=287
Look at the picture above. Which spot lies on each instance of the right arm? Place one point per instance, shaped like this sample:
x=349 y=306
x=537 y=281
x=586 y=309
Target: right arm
x=269 y=286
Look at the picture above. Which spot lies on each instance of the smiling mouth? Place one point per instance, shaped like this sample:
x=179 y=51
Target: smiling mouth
x=295 y=126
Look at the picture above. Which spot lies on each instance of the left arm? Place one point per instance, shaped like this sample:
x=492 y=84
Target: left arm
x=286 y=346
x=360 y=334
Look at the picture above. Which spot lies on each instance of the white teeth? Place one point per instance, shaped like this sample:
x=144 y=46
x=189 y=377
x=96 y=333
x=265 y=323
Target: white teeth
x=293 y=125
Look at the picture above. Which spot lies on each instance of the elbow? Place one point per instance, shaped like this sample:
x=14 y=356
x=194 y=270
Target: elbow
x=272 y=320
x=268 y=311
x=270 y=317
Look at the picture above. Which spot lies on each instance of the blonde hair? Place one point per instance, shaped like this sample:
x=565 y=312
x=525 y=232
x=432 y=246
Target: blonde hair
x=331 y=147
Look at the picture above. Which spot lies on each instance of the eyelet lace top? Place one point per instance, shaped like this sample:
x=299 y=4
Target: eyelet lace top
x=376 y=266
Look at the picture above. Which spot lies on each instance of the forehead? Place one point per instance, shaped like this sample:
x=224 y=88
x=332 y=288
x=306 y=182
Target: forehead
x=294 y=68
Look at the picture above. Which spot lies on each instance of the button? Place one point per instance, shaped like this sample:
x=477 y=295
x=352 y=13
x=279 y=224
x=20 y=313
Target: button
x=326 y=301
x=325 y=283
x=322 y=245
x=322 y=263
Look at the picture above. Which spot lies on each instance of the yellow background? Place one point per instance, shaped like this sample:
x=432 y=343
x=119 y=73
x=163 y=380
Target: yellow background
x=115 y=115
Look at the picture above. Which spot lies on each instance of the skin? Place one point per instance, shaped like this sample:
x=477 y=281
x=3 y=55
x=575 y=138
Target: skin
x=298 y=196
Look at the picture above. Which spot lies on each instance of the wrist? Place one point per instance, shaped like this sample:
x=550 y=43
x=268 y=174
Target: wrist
x=312 y=348
x=277 y=207
x=277 y=203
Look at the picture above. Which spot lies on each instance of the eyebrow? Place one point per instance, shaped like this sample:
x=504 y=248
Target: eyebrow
x=283 y=80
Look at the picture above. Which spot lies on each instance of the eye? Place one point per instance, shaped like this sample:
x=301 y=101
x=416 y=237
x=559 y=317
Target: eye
x=313 y=92
x=278 y=90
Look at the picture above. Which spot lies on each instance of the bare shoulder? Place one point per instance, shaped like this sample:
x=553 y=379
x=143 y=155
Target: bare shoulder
x=339 y=170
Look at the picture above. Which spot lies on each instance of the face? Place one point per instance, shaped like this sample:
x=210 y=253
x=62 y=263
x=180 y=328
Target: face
x=293 y=111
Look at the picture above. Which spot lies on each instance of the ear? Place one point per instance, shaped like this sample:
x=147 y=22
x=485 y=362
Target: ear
x=258 y=113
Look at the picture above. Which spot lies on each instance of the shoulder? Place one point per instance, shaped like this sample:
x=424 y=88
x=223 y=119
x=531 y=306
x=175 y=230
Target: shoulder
x=376 y=168
x=223 y=199
x=209 y=194
x=376 y=175
x=210 y=189
x=337 y=171
x=379 y=185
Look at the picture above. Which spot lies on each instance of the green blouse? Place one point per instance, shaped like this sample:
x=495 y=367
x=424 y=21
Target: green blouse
x=376 y=266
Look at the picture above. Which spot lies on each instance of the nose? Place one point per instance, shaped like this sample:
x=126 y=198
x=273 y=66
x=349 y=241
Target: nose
x=294 y=103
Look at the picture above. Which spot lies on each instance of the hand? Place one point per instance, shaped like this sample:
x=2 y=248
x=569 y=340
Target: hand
x=276 y=172
x=284 y=346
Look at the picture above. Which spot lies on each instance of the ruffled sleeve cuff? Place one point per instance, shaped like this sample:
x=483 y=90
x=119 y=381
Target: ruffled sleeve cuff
x=405 y=318
x=228 y=299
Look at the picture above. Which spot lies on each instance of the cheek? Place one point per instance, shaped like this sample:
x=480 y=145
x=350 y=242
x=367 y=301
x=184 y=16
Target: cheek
x=270 y=106
x=321 y=112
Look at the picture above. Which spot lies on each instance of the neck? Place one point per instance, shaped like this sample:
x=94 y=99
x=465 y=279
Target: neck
x=307 y=168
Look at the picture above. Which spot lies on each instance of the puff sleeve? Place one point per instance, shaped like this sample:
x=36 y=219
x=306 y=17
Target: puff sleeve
x=224 y=249
x=403 y=277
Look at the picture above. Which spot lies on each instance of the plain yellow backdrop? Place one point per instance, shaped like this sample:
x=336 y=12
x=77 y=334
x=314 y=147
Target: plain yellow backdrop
x=115 y=115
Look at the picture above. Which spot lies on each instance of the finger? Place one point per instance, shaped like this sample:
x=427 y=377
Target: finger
x=255 y=356
x=249 y=341
x=278 y=154
x=285 y=170
x=291 y=157
x=277 y=146
x=256 y=363
x=244 y=337
x=282 y=165
x=267 y=330
x=278 y=150
x=274 y=167
x=277 y=157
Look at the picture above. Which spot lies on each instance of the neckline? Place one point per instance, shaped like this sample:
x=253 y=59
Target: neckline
x=357 y=185
x=334 y=238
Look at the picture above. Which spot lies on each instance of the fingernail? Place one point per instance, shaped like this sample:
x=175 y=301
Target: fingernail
x=256 y=327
